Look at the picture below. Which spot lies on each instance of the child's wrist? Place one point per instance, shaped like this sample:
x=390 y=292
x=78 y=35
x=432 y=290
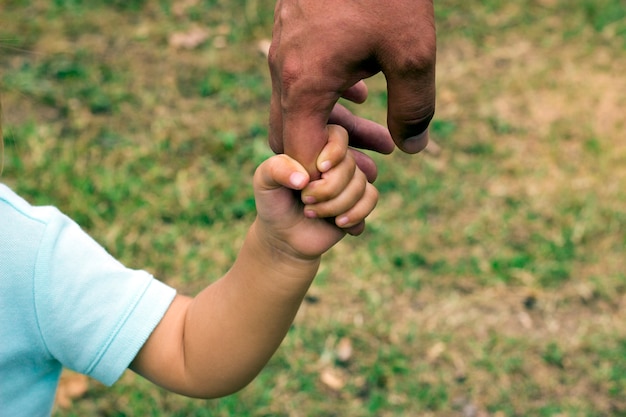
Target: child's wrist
x=278 y=252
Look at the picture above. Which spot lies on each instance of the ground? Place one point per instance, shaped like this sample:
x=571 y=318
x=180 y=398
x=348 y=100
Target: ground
x=490 y=280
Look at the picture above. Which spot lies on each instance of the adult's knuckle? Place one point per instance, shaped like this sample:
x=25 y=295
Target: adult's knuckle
x=290 y=71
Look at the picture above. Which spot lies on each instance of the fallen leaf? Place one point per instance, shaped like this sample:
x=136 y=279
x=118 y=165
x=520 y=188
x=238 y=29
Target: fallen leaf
x=525 y=320
x=180 y=7
x=333 y=379
x=344 y=350
x=188 y=40
x=264 y=46
x=435 y=351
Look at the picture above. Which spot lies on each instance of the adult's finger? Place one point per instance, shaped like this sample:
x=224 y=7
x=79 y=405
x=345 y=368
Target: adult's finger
x=275 y=138
x=365 y=164
x=305 y=135
x=408 y=61
x=357 y=93
x=299 y=111
x=300 y=131
x=363 y=133
x=411 y=107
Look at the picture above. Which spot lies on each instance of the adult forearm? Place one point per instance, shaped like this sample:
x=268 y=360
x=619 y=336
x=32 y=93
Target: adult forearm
x=234 y=326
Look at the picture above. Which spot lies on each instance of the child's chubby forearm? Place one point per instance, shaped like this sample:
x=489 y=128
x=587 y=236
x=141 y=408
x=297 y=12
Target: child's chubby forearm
x=216 y=343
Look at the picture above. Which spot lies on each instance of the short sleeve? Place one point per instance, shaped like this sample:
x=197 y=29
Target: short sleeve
x=94 y=314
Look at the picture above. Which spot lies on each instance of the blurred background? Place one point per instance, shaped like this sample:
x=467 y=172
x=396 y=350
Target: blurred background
x=491 y=279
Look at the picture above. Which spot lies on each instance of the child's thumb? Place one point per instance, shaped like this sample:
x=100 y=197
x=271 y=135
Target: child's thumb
x=280 y=171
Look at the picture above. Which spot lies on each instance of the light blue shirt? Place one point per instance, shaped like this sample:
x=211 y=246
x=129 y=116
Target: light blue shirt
x=64 y=302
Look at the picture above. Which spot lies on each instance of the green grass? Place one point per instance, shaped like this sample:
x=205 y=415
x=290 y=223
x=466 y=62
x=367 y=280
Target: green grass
x=491 y=276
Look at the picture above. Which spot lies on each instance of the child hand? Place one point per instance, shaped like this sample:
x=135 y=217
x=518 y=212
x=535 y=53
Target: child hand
x=333 y=195
x=300 y=226
x=257 y=299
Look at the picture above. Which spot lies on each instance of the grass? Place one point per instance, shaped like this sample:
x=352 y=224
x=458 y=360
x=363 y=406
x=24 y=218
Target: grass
x=491 y=278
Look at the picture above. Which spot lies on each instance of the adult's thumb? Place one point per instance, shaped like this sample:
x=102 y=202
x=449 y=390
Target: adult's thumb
x=410 y=108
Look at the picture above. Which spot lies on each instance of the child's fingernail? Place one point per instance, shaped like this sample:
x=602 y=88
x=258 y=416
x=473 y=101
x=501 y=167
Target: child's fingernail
x=325 y=166
x=342 y=221
x=297 y=179
x=310 y=214
x=308 y=199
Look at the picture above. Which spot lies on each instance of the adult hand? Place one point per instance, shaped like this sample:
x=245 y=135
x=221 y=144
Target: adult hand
x=322 y=49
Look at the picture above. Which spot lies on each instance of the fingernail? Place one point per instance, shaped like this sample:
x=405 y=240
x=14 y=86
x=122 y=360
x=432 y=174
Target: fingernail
x=325 y=166
x=297 y=179
x=310 y=214
x=342 y=221
x=415 y=144
x=309 y=199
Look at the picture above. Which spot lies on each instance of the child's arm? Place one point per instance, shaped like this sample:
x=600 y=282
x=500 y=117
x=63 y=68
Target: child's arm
x=216 y=343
